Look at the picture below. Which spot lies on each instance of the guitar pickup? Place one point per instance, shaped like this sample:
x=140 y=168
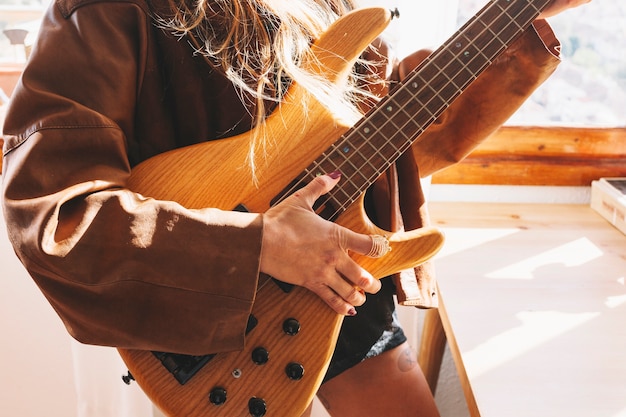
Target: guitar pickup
x=184 y=367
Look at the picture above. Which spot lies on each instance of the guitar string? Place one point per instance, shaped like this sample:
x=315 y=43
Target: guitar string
x=338 y=148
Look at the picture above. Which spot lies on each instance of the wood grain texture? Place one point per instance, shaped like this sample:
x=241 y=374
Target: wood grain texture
x=239 y=375
x=432 y=347
x=542 y=156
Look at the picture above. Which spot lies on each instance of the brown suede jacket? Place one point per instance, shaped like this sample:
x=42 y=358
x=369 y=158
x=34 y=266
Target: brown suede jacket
x=105 y=89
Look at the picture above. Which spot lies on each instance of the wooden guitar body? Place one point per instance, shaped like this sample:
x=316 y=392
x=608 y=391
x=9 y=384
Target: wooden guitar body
x=216 y=174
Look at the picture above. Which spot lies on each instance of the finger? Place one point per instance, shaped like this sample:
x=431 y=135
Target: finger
x=355 y=276
x=334 y=300
x=373 y=246
x=350 y=293
x=411 y=62
x=318 y=187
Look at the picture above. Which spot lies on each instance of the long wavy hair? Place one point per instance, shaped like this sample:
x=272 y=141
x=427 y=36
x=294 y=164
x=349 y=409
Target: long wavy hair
x=260 y=44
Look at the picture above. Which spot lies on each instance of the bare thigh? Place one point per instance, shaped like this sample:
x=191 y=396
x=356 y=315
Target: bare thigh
x=390 y=384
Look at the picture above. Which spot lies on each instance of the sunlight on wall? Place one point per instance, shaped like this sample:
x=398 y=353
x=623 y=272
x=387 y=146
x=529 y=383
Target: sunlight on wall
x=421 y=24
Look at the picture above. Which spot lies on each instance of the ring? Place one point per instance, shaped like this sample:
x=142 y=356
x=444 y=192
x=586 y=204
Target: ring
x=380 y=246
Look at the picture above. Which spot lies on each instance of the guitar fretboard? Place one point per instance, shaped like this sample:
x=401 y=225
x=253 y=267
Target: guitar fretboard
x=368 y=149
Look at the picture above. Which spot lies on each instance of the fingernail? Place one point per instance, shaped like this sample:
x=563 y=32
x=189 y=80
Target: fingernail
x=352 y=312
x=335 y=174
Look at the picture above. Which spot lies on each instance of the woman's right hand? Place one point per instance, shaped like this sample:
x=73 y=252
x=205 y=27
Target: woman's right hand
x=302 y=248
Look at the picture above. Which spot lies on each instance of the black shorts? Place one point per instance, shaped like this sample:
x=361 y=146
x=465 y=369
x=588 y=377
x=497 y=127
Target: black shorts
x=374 y=330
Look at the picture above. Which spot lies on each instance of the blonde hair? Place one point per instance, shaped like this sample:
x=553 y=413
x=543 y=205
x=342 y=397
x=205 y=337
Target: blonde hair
x=260 y=44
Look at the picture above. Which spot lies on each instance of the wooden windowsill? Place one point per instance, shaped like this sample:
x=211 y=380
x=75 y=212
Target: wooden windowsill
x=542 y=156
x=9 y=74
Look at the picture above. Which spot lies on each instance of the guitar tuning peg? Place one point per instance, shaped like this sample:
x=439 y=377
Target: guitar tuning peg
x=128 y=378
x=395 y=13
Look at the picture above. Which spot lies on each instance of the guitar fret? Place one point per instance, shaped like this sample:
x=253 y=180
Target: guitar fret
x=352 y=171
x=397 y=124
x=348 y=196
x=314 y=170
x=400 y=120
x=359 y=157
x=352 y=162
x=450 y=81
x=374 y=158
x=348 y=160
x=390 y=150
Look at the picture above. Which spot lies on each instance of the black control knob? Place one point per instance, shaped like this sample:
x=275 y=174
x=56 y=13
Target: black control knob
x=217 y=396
x=291 y=326
x=294 y=371
x=257 y=407
x=260 y=356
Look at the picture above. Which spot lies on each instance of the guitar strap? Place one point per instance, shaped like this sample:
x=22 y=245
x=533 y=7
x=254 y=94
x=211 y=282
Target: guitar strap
x=398 y=201
x=416 y=287
x=397 y=197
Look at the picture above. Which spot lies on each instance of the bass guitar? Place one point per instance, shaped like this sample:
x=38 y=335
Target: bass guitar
x=292 y=332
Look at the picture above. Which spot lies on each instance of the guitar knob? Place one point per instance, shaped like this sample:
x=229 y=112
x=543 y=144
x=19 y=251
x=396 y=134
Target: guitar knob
x=260 y=356
x=217 y=396
x=257 y=407
x=291 y=326
x=294 y=371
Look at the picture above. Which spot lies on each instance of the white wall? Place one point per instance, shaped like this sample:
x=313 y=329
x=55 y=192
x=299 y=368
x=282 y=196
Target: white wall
x=37 y=371
x=45 y=373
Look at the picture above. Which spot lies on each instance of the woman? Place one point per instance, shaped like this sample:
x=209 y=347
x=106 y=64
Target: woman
x=112 y=83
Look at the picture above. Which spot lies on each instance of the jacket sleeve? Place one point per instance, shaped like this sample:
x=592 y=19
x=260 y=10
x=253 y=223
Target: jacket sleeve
x=119 y=268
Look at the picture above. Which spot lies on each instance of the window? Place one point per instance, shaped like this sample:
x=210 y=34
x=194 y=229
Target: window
x=19 y=20
x=589 y=87
x=572 y=129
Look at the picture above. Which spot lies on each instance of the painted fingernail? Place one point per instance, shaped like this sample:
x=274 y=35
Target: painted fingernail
x=335 y=174
x=352 y=312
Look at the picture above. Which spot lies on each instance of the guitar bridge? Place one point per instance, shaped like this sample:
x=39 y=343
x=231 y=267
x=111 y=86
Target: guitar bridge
x=184 y=367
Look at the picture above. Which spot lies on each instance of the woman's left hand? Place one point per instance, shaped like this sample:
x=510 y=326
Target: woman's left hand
x=557 y=6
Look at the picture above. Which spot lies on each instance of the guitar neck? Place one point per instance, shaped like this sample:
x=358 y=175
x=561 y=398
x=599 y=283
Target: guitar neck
x=368 y=149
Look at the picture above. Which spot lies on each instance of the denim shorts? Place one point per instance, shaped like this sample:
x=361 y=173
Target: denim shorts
x=374 y=330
